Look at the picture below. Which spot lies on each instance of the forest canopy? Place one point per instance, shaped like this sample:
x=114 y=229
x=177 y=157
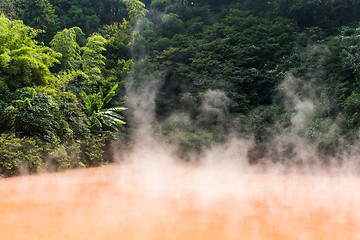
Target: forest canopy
x=245 y=66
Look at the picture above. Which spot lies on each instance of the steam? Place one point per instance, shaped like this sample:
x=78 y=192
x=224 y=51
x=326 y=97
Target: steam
x=304 y=108
x=311 y=140
x=214 y=102
x=300 y=147
x=142 y=88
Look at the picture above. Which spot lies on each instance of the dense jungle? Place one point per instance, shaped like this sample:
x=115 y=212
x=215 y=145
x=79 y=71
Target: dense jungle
x=277 y=72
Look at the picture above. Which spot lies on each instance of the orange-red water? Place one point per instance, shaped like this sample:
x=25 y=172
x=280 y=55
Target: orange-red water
x=127 y=203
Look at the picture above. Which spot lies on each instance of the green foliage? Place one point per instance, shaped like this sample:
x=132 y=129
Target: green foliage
x=39 y=14
x=326 y=14
x=39 y=90
x=32 y=113
x=74 y=80
x=352 y=110
x=92 y=59
x=239 y=55
x=261 y=122
x=19 y=155
x=4 y=89
x=159 y=4
x=171 y=24
x=350 y=43
x=241 y=49
x=22 y=61
x=98 y=114
x=29 y=66
x=117 y=54
x=88 y=58
x=136 y=9
x=7 y=7
x=15 y=34
x=163 y=43
x=93 y=151
x=180 y=40
x=89 y=15
x=74 y=121
x=65 y=42
x=65 y=156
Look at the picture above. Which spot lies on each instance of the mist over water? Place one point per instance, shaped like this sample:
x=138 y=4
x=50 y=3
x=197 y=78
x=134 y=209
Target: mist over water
x=153 y=196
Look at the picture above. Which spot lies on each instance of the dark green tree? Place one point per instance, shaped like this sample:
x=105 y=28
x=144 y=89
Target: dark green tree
x=39 y=14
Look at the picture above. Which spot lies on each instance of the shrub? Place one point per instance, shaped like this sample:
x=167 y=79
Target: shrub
x=19 y=155
x=159 y=4
x=65 y=156
x=172 y=24
x=93 y=150
x=163 y=43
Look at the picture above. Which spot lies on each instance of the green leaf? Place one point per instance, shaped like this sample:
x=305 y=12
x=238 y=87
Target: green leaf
x=87 y=101
x=117 y=109
x=113 y=114
x=96 y=121
x=110 y=94
x=113 y=119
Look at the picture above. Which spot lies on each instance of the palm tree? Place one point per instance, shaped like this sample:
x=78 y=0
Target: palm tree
x=100 y=116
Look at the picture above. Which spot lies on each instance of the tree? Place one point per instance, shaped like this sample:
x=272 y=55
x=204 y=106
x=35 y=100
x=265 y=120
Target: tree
x=89 y=15
x=65 y=42
x=23 y=62
x=7 y=7
x=39 y=14
x=171 y=24
x=98 y=114
x=349 y=41
x=325 y=14
x=136 y=9
x=160 y=4
x=87 y=58
x=92 y=59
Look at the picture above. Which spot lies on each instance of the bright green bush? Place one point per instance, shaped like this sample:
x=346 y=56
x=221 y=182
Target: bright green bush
x=24 y=62
x=19 y=155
